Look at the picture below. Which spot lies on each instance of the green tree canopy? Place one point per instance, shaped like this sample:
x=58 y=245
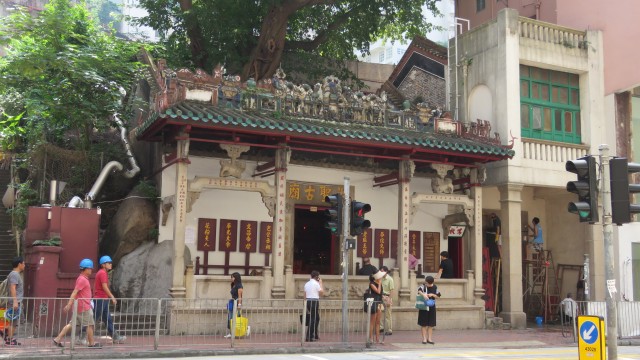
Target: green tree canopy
x=252 y=36
x=61 y=76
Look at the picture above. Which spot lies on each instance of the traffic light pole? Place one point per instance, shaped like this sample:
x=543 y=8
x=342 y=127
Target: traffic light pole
x=345 y=259
x=612 y=312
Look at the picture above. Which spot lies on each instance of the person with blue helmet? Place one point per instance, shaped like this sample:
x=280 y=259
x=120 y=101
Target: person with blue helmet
x=81 y=293
x=16 y=293
x=102 y=294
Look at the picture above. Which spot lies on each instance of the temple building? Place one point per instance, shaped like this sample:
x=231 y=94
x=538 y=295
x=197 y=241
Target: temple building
x=244 y=169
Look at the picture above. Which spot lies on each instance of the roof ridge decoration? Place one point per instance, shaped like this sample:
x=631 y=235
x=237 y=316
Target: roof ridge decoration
x=278 y=98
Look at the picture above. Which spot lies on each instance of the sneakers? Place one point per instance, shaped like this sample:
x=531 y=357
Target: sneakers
x=11 y=342
x=248 y=330
x=82 y=341
x=227 y=336
x=95 y=346
x=119 y=339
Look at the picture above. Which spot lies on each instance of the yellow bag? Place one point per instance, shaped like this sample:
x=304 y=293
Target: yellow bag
x=241 y=326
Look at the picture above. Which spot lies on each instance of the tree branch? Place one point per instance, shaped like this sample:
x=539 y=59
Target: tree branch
x=323 y=35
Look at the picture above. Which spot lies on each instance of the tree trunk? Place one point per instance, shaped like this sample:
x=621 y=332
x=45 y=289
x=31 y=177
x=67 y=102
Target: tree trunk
x=266 y=55
x=194 y=32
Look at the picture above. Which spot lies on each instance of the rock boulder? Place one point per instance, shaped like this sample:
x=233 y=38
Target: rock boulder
x=146 y=273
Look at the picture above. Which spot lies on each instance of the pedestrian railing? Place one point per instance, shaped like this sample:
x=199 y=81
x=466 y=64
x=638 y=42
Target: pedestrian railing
x=205 y=324
x=628 y=316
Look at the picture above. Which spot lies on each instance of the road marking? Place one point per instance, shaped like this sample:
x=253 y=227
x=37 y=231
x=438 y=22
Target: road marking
x=315 y=357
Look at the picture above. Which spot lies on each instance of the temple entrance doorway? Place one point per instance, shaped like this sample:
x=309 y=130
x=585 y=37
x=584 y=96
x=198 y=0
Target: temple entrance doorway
x=314 y=248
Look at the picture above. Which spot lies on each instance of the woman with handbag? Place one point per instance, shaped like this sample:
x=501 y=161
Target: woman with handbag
x=427 y=318
x=375 y=288
x=236 y=294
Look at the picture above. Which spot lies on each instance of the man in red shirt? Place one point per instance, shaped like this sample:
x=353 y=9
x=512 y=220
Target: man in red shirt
x=82 y=293
x=102 y=294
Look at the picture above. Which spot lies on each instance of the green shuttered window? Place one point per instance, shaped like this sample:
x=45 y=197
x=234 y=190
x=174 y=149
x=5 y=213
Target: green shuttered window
x=549 y=105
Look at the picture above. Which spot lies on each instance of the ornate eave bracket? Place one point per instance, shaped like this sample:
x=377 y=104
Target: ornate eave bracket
x=442 y=183
x=234 y=167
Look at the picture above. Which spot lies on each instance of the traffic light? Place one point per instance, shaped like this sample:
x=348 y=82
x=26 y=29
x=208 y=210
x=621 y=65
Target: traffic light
x=358 y=223
x=334 y=214
x=621 y=190
x=586 y=187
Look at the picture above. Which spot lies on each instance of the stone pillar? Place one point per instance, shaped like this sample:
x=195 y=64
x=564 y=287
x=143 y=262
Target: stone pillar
x=476 y=246
x=404 y=218
x=511 y=204
x=413 y=286
x=178 y=289
x=279 y=218
x=267 y=282
x=190 y=282
x=289 y=282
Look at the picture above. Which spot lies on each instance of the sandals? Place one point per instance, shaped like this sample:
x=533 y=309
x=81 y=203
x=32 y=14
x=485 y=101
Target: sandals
x=57 y=344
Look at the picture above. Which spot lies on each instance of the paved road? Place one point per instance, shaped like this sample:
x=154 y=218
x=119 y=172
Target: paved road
x=555 y=353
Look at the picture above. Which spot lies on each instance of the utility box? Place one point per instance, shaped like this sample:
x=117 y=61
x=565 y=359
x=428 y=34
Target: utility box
x=51 y=271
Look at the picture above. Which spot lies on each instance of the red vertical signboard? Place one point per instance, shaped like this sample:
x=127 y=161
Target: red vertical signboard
x=266 y=237
x=381 y=241
x=365 y=244
x=207 y=234
x=248 y=236
x=414 y=243
x=228 y=235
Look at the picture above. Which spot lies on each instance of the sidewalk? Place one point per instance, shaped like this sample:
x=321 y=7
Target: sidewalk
x=172 y=346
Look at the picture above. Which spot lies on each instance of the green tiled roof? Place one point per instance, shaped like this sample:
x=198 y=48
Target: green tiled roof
x=204 y=115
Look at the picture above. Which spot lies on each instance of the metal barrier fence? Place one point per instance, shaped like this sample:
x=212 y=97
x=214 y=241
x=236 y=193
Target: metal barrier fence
x=206 y=324
x=628 y=316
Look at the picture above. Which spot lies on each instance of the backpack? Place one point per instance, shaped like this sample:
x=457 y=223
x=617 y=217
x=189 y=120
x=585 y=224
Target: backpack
x=4 y=293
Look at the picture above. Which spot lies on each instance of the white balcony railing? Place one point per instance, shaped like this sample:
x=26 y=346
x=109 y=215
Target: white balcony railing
x=553 y=34
x=551 y=151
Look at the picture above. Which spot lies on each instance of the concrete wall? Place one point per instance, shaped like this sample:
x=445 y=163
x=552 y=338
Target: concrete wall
x=373 y=75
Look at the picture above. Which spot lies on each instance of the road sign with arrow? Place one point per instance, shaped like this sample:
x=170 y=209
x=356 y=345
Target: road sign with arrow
x=591 y=340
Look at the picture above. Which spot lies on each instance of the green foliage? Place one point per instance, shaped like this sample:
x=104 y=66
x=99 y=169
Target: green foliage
x=230 y=30
x=10 y=131
x=63 y=73
x=55 y=241
x=148 y=190
x=26 y=197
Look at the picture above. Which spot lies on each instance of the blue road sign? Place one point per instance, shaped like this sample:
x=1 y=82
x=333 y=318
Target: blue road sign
x=589 y=332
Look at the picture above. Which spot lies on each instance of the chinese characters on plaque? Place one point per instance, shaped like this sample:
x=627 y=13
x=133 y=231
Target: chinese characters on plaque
x=206 y=234
x=382 y=242
x=248 y=236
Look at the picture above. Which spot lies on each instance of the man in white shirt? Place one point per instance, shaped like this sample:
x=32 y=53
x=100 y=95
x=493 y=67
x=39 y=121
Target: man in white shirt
x=569 y=308
x=313 y=290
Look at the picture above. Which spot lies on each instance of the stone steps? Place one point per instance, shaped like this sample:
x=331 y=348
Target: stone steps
x=7 y=241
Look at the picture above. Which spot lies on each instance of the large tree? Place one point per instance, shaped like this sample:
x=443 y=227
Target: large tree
x=61 y=76
x=252 y=36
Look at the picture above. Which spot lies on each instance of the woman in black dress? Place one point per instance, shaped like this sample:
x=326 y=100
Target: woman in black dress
x=375 y=287
x=427 y=318
x=236 y=294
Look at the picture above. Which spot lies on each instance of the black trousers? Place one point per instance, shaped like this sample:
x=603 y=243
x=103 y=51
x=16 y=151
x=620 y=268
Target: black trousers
x=313 y=309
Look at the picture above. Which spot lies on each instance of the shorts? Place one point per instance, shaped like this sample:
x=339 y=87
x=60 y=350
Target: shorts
x=85 y=318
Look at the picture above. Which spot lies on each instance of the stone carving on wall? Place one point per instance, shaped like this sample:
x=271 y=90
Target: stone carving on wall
x=270 y=203
x=442 y=184
x=233 y=167
x=451 y=219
